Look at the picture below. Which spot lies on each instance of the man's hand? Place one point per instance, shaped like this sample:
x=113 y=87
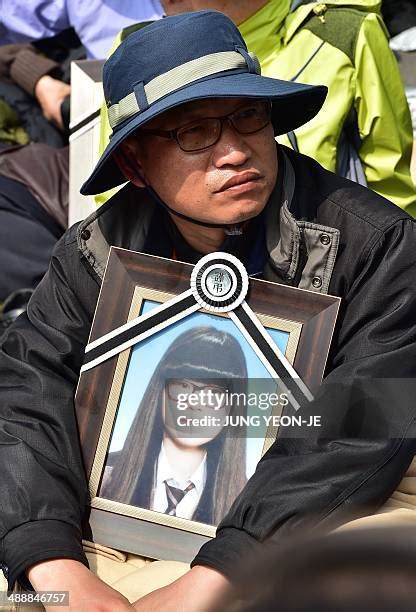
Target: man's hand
x=197 y=591
x=50 y=94
x=87 y=593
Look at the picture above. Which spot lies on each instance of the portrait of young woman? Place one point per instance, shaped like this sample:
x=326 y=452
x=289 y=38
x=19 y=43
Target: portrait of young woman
x=195 y=476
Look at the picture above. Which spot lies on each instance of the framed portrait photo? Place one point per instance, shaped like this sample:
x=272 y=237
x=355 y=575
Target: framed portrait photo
x=172 y=426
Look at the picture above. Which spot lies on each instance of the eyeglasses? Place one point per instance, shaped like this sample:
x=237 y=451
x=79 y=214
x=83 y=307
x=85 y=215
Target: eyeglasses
x=177 y=389
x=204 y=133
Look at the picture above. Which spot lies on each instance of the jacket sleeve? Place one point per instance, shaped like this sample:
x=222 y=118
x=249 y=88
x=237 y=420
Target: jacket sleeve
x=29 y=66
x=351 y=464
x=24 y=65
x=42 y=483
x=8 y=54
x=384 y=121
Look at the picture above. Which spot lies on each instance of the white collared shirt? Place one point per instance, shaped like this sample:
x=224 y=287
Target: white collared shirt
x=187 y=506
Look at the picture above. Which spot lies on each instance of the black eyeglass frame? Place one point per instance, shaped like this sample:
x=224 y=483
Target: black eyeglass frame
x=173 y=134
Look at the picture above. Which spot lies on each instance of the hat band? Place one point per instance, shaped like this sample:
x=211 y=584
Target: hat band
x=175 y=79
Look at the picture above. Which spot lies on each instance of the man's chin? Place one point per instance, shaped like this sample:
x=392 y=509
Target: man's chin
x=239 y=212
x=243 y=216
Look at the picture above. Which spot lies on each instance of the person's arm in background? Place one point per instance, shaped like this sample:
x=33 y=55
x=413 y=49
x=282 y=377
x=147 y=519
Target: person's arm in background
x=384 y=121
x=23 y=65
x=50 y=94
x=34 y=73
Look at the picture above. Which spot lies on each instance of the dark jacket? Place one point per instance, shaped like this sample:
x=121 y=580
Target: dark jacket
x=333 y=236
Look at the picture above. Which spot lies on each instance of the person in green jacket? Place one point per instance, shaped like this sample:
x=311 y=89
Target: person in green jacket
x=364 y=129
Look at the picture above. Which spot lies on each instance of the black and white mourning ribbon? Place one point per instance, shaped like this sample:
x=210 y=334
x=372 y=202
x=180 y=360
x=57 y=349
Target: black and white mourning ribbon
x=139 y=329
x=219 y=283
x=270 y=355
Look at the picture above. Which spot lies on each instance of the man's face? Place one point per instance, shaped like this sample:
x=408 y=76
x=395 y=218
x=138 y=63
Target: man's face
x=229 y=182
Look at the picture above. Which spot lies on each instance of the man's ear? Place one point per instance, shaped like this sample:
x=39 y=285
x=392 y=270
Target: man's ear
x=131 y=169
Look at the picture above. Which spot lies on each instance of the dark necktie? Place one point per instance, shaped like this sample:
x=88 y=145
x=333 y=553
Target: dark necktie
x=174 y=496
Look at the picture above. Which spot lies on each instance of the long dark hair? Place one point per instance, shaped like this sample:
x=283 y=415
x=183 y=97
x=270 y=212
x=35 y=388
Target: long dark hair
x=202 y=352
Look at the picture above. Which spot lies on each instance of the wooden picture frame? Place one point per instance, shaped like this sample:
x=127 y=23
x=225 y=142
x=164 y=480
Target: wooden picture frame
x=131 y=282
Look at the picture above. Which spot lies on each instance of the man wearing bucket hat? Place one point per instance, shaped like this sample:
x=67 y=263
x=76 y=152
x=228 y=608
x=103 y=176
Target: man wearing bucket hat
x=364 y=130
x=193 y=131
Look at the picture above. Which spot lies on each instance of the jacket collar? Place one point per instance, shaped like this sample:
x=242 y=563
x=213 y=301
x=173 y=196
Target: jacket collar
x=301 y=252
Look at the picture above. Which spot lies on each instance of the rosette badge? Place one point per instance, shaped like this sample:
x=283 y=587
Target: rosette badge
x=219 y=282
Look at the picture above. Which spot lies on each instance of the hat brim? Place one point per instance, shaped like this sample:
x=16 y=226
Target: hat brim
x=293 y=104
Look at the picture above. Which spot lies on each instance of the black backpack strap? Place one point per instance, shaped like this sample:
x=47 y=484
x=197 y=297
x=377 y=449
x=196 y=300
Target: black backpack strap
x=293 y=141
x=349 y=164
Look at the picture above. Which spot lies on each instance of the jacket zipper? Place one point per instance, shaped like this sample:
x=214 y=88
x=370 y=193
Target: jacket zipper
x=319 y=10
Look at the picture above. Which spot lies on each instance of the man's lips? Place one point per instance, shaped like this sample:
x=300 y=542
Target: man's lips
x=239 y=179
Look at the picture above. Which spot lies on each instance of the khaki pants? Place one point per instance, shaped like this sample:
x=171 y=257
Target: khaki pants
x=131 y=575
x=399 y=510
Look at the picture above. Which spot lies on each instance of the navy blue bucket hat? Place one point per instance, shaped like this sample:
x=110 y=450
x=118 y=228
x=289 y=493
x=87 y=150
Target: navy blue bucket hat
x=192 y=56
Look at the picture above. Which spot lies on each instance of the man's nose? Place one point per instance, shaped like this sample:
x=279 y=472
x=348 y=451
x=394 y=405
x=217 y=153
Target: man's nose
x=231 y=149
